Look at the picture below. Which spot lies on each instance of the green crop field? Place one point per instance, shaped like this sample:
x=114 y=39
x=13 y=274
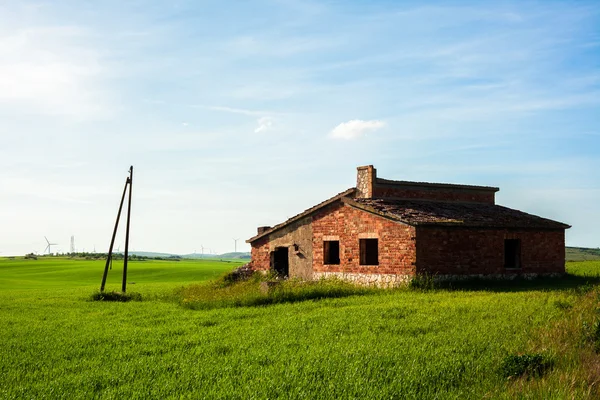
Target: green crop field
x=582 y=254
x=56 y=273
x=424 y=344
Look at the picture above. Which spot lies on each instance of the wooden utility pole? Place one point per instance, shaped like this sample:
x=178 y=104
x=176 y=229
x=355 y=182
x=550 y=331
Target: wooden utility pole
x=124 y=286
x=128 y=182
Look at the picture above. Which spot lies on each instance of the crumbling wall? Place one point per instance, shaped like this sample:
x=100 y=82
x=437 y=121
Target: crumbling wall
x=297 y=237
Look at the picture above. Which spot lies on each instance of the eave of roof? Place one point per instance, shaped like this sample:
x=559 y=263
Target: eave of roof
x=344 y=194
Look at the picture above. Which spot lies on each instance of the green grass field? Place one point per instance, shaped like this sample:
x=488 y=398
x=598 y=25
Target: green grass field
x=582 y=254
x=55 y=272
x=442 y=344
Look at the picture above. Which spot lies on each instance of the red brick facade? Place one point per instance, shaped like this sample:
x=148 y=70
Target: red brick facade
x=460 y=251
x=397 y=245
x=261 y=257
x=421 y=228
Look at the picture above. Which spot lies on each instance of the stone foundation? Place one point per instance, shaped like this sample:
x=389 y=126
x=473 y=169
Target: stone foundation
x=393 y=280
x=378 y=280
x=491 y=277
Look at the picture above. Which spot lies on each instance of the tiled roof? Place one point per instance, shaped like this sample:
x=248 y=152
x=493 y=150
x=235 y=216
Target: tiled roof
x=348 y=192
x=422 y=212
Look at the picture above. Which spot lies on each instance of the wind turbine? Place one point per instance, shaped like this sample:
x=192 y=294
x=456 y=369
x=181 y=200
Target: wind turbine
x=235 y=245
x=49 y=248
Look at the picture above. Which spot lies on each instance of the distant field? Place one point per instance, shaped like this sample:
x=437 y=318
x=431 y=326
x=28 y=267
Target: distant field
x=56 y=272
x=582 y=254
x=393 y=344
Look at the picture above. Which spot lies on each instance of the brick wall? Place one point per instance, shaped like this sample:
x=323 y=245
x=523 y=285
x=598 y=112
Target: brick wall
x=368 y=186
x=261 y=259
x=382 y=191
x=405 y=250
x=457 y=251
x=397 y=250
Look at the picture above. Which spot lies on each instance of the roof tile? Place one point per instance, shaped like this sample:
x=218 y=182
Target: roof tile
x=422 y=212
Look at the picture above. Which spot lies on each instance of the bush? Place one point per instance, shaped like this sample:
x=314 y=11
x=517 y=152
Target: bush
x=535 y=365
x=423 y=282
x=242 y=273
x=116 y=296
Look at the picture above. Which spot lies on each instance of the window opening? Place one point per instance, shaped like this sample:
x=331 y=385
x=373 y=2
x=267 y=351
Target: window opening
x=512 y=253
x=331 y=251
x=369 y=252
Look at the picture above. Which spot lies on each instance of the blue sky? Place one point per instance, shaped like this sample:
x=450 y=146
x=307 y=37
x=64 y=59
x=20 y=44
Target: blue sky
x=240 y=114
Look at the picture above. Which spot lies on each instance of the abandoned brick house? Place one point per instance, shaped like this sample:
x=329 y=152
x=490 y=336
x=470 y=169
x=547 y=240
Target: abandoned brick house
x=385 y=232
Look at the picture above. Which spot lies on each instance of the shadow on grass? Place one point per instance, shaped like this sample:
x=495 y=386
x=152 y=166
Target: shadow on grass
x=253 y=289
x=115 y=296
x=567 y=282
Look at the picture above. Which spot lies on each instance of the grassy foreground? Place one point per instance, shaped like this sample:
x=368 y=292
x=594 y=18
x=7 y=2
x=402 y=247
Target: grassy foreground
x=444 y=344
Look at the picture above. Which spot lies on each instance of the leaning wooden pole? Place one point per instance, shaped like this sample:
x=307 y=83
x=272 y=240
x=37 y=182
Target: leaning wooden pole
x=112 y=241
x=124 y=285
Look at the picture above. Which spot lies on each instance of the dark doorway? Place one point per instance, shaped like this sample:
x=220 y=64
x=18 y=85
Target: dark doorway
x=280 y=261
x=512 y=253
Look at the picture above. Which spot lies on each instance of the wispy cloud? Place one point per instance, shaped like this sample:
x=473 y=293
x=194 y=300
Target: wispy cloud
x=355 y=128
x=279 y=47
x=232 y=110
x=264 y=124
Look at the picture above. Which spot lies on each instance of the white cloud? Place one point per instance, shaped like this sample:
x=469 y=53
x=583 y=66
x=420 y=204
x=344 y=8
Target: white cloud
x=355 y=128
x=264 y=124
x=47 y=70
x=234 y=110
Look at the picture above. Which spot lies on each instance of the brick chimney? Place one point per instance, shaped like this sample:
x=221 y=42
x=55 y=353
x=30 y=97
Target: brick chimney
x=262 y=229
x=365 y=180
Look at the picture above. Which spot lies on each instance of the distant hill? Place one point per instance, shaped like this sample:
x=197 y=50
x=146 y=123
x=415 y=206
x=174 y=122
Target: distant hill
x=229 y=256
x=232 y=255
x=238 y=255
x=151 y=254
x=582 y=254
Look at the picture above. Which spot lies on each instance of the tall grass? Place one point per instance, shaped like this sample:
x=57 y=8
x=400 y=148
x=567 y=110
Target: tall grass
x=224 y=293
x=574 y=344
